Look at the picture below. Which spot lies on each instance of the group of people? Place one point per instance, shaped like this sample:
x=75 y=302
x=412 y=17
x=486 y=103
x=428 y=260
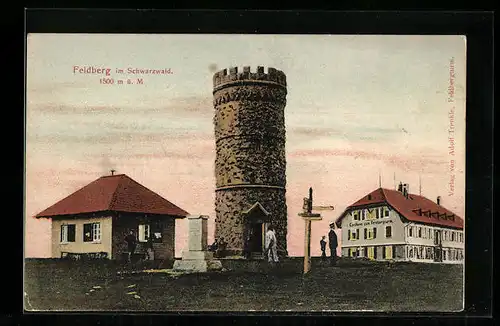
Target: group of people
x=270 y=246
x=131 y=241
x=332 y=244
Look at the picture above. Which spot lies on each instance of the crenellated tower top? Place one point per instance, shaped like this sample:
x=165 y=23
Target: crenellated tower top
x=273 y=76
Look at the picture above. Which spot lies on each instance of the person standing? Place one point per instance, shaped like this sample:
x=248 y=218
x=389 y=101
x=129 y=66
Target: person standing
x=213 y=247
x=323 y=248
x=247 y=245
x=332 y=241
x=271 y=246
x=221 y=248
x=131 y=241
x=150 y=249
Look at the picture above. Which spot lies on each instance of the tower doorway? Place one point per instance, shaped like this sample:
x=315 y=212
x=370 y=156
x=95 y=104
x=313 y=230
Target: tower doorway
x=256 y=225
x=256 y=238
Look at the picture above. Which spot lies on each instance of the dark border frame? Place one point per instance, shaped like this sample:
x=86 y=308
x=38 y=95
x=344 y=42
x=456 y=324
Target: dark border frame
x=477 y=26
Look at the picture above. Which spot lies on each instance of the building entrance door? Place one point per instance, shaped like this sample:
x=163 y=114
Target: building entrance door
x=438 y=249
x=256 y=218
x=256 y=238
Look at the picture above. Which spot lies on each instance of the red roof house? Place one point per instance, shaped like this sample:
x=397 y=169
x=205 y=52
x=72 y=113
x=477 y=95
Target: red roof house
x=397 y=225
x=117 y=193
x=96 y=219
x=415 y=208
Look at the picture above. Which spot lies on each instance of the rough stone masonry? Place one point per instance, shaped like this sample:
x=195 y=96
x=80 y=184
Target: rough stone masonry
x=250 y=164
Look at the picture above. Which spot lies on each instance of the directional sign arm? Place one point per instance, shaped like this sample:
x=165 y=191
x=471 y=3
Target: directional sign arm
x=323 y=208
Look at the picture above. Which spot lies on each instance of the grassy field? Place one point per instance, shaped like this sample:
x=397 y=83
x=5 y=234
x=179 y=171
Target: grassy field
x=352 y=285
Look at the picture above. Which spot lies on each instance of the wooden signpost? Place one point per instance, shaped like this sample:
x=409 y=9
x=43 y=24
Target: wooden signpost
x=308 y=217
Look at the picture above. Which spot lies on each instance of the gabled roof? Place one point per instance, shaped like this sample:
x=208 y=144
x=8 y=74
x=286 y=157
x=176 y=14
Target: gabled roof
x=117 y=193
x=254 y=207
x=415 y=208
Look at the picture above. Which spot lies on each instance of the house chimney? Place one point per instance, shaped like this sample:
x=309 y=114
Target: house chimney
x=405 y=190
x=438 y=200
x=113 y=172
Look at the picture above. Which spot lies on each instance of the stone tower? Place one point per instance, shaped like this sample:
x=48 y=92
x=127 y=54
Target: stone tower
x=250 y=164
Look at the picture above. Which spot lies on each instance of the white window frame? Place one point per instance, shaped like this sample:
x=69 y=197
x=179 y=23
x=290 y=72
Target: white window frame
x=96 y=232
x=64 y=233
x=390 y=228
x=370 y=233
x=144 y=232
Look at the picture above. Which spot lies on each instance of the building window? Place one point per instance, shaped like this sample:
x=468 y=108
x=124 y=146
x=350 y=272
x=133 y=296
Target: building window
x=388 y=231
x=356 y=215
x=377 y=213
x=386 y=212
x=410 y=252
x=353 y=234
x=92 y=232
x=419 y=232
x=388 y=252
x=157 y=232
x=420 y=252
x=428 y=253
x=366 y=234
x=371 y=253
x=352 y=252
x=363 y=214
x=452 y=235
x=144 y=232
x=67 y=233
x=371 y=233
x=410 y=231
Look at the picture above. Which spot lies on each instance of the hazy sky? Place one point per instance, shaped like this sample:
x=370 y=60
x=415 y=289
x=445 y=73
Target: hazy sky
x=356 y=106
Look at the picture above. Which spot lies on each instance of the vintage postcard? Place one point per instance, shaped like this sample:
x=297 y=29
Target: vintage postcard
x=198 y=172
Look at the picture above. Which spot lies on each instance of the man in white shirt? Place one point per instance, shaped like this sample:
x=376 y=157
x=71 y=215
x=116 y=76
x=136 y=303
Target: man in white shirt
x=271 y=246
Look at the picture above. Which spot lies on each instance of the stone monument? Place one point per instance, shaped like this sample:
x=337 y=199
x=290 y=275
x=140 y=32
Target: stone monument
x=250 y=165
x=197 y=258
